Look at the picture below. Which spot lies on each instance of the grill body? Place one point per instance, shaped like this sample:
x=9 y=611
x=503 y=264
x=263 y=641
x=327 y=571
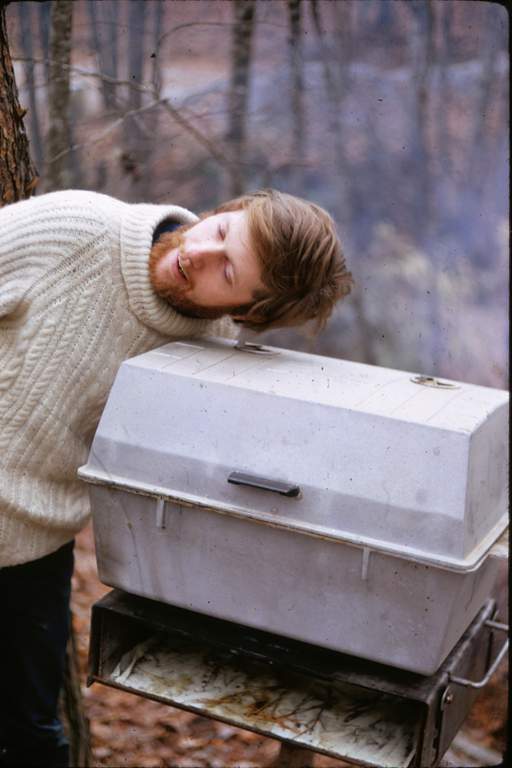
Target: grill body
x=385 y=551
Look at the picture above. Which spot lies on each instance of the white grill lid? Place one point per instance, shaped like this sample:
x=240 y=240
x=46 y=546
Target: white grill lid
x=379 y=459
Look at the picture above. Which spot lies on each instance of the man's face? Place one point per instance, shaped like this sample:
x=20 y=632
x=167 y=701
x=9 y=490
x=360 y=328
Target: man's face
x=208 y=268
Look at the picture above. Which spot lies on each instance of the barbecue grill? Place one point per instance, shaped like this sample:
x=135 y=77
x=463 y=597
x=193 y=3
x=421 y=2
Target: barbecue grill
x=351 y=507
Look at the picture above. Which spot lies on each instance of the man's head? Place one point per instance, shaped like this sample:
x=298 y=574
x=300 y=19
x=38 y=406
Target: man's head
x=268 y=259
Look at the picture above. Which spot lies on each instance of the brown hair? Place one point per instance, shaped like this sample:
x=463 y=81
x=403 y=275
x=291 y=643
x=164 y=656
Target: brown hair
x=303 y=266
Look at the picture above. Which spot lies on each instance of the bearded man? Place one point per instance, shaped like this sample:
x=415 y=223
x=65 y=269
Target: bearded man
x=87 y=281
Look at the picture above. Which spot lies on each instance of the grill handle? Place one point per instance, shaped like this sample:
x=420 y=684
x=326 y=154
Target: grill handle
x=494 y=666
x=264 y=483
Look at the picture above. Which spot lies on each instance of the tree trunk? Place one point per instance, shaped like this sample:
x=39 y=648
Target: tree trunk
x=137 y=17
x=297 y=90
x=58 y=174
x=71 y=709
x=444 y=13
x=44 y=34
x=26 y=26
x=422 y=53
x=18 y=176
x=17 y=182
x=479 y=155
x=336 y=82
x=104 y=44
x=239 y=89
x=151 y=117
x=133 y=157
x=158 y=19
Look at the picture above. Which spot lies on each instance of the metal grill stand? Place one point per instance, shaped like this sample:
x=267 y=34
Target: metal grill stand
x=305 y=696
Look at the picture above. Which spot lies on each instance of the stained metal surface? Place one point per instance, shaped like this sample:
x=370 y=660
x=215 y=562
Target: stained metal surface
x=373 y=729
x=314 y=698
x=120 y=483
x=271 y=497
x=242 y=412
x=308 y=588
x=403 y=555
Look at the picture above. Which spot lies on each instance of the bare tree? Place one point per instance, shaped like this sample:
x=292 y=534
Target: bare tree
x=238 y=99
x=103 y=27
x=421 y=48
x=487 y=92
x=17 y=182
x=336 y=83
x=71 y=709
x=422 y=55
x=136 y=50
x=58 y=174
x=44 y=34
x=297 y=101
x=152 y=116
x=158 y=18
x=133 y=157
x=43 y=13
x=18 y=176
x=25 y=17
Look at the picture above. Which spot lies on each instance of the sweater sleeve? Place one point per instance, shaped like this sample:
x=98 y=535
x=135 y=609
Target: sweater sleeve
x=38 y=234
x=16 y=271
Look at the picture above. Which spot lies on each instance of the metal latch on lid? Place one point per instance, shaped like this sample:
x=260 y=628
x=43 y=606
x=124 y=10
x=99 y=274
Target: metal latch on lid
x=255 y=349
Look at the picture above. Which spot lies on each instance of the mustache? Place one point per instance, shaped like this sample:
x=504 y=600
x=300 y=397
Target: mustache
x=168 y=241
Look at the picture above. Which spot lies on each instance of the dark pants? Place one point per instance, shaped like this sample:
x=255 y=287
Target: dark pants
x=34 y=627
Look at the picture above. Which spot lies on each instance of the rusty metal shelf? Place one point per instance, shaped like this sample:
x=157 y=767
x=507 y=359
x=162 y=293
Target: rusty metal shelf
x=338 y=705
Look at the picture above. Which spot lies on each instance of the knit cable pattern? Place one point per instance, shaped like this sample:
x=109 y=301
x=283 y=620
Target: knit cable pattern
x=75 y=301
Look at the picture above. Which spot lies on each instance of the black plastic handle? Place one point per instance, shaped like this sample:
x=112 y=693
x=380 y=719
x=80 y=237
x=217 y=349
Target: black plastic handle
x=255 y=481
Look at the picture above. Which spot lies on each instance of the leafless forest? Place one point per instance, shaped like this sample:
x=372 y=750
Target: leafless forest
x=392 y=114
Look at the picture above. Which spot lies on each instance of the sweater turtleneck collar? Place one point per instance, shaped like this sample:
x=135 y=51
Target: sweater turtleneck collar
x=138 y=225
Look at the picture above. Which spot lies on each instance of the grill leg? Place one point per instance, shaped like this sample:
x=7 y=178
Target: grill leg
x=293 y=757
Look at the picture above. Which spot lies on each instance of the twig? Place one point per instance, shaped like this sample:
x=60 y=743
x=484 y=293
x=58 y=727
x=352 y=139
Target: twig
x=199 y=137
x=87 y=73
x=205 y=142
x=105 y=132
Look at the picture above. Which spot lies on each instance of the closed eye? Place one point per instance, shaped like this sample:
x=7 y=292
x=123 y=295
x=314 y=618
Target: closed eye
x=228 y=272
x=221 y=232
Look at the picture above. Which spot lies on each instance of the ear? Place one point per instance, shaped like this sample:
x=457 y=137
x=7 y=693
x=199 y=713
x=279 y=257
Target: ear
x=239 y=314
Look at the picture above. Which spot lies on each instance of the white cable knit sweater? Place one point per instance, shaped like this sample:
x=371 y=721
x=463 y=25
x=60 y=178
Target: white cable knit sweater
x=75 y=301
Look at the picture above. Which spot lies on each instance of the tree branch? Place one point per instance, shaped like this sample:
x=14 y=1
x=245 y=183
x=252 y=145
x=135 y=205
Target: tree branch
x=105 y=132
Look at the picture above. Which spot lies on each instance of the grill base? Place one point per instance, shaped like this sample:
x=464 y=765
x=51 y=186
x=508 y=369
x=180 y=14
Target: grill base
x=311 y=697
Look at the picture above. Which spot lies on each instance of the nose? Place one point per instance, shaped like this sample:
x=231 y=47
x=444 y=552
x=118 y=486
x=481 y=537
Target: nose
x=201 y=255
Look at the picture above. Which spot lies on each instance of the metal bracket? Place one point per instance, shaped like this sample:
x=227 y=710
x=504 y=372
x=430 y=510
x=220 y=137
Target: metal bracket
x=160 y=513
x=471 y=656
x=446 y=698
x=364 y=563
x=494 y=666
